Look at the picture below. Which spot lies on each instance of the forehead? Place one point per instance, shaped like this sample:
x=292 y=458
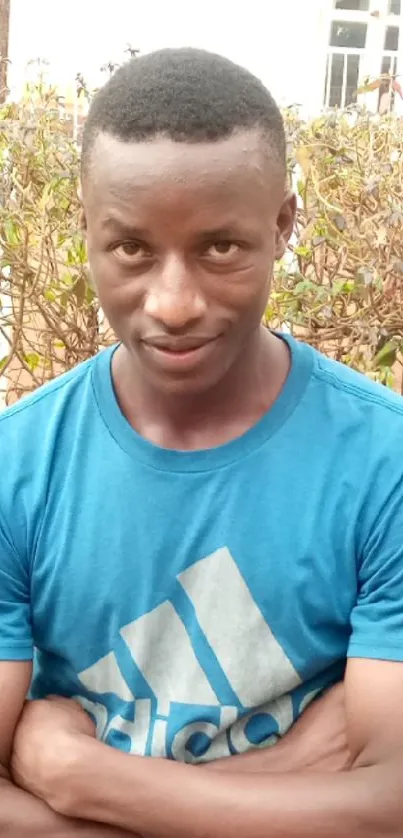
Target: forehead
x=138 y=175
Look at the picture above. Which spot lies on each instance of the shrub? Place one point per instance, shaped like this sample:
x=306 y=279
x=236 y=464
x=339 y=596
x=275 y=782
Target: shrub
x=342 y=289
x=50 y=318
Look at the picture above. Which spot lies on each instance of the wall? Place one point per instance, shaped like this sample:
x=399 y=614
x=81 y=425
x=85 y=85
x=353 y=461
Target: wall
x=4 y=30
x=270 y=43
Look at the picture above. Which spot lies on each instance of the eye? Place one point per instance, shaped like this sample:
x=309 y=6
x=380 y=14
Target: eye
x=222 y=250
x=131 y=250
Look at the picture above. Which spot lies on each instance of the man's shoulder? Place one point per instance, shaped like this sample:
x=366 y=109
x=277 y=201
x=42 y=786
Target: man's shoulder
x=41 y=437
x=353 y=392
x=34 y=412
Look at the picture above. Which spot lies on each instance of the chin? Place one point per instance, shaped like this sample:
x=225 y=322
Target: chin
x=194 y=385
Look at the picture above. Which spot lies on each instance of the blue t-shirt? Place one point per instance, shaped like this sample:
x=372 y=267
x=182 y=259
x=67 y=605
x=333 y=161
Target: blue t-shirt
x=196 y=602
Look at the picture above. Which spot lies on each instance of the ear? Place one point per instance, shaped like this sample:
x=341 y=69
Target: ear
x=83 y=219
x=285 y=223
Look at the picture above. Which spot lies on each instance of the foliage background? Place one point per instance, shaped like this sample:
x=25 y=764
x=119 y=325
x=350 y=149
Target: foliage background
x=340 y=286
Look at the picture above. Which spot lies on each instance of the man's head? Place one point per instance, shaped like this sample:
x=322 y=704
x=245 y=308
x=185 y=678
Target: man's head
x=186 y=209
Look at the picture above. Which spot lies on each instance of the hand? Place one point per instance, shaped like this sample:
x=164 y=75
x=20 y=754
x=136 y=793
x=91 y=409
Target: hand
x=45 y=744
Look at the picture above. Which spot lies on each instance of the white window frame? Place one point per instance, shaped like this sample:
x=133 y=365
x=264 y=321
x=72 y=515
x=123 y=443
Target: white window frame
x=371 y=56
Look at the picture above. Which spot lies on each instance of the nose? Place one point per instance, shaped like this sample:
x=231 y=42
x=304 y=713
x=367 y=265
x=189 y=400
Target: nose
x=173 y=297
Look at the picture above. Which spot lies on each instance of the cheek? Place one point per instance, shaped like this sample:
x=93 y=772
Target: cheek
x=118 y=292
x=244 y=291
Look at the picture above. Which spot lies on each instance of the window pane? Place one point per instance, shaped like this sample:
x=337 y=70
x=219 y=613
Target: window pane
x=386 y=98
x=353 y=69
x=394 y=7
x=346 y=34
x=337 y=66
x=353 y=5
x=392 y=38
x=389 y=65
x=336 y=80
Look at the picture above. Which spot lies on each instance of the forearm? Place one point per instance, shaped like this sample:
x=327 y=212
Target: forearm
x=281 y=758
x=170 y=800
x=21 y=814
x=316 y=742
x=294 y=753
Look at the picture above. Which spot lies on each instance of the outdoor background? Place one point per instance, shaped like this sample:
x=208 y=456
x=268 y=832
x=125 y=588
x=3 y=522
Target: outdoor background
x=334 y=66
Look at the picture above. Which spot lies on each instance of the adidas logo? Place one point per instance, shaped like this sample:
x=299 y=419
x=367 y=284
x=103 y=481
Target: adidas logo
x=199 y=677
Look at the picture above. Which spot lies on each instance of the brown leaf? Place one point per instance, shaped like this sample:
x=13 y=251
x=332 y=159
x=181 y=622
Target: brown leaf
x=397 y=267
x=340 y=222
x=370 y=87
x=397 y=88
x=80 y=289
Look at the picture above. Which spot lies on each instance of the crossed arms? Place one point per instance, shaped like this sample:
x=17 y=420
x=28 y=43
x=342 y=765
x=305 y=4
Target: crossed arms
x=305 y=786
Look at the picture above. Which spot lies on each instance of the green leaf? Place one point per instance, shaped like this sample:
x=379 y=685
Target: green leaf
x=64 y=299
x=301 y=187
x=46 y=199
x=70 y=256
x=81 y=251
x=68 y=280
x=303 y=286
x=386 y=356
x=90 y=295
x=33 y=360
x=79 y=291
x=12 y=232
x=302 y=250
x=343 y=286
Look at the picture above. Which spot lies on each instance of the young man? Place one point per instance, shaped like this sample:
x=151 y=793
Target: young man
x=200 y=527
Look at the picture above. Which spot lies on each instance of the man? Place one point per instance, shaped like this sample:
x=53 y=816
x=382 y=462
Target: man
x=200 y=527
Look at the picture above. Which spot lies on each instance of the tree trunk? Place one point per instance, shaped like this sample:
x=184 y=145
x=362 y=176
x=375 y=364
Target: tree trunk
x=4 y=34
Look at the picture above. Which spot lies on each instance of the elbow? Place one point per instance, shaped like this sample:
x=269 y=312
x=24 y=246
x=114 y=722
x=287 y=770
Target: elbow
x=4 y=773
x=381 y=783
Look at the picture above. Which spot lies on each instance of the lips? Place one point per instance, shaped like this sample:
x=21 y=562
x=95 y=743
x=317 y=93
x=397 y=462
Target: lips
x=179 y=355
x=179 y=346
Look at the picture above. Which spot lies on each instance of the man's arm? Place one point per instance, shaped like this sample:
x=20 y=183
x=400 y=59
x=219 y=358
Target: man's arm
x=317 y=741
x=21 y=814
x=170 y=800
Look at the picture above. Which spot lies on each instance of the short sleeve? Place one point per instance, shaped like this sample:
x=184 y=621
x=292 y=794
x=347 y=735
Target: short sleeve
x=377 y=619
x=15 y=610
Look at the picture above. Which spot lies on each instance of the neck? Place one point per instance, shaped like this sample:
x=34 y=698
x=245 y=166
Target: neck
x=211 y=418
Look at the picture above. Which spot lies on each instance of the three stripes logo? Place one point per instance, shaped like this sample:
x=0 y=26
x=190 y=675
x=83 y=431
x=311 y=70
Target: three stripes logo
x=199 y=677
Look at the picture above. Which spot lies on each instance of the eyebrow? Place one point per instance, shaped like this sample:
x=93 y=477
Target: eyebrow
x=217 y=234
x=111 y=223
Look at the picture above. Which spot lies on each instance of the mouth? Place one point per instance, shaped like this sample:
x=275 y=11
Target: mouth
x=180 y=356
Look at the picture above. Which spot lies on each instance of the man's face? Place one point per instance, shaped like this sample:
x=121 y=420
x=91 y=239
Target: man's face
x=182 y=239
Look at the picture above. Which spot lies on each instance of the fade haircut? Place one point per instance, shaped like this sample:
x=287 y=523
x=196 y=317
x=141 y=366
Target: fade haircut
x=188 y=95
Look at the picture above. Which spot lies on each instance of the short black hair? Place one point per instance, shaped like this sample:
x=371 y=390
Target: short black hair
x=188 y=95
